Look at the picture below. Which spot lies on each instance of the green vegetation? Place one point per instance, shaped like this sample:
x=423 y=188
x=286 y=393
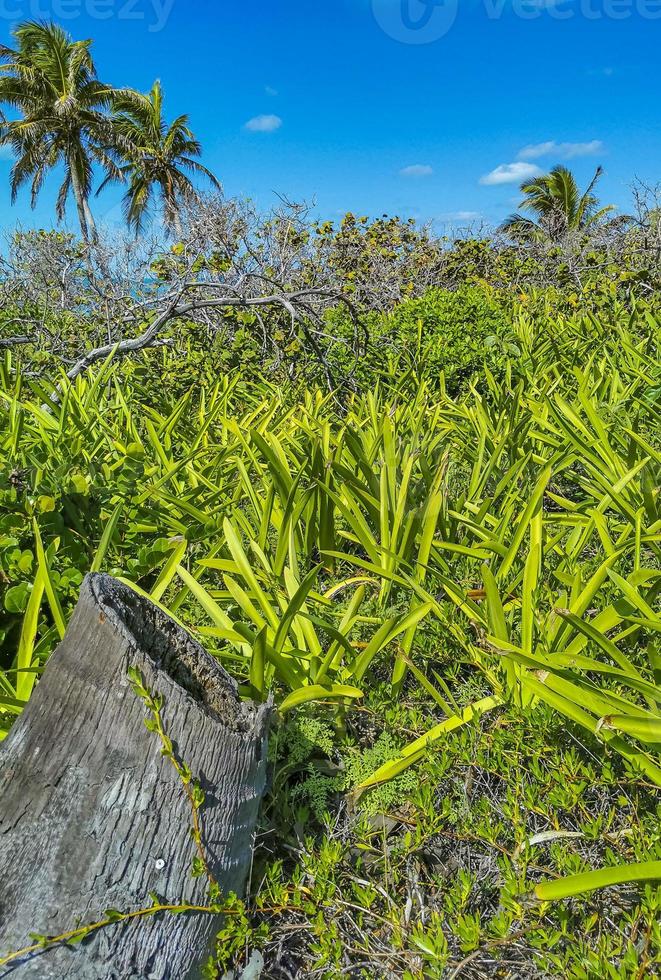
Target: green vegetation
x=408 y=487
x=452 y=598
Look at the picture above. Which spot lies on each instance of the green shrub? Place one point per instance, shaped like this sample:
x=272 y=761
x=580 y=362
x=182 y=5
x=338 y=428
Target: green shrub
x=453 y=333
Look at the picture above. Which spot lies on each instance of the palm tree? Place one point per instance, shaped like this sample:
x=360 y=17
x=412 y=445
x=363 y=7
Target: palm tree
x=558 y=205
x=51 y=81
x=152 y=157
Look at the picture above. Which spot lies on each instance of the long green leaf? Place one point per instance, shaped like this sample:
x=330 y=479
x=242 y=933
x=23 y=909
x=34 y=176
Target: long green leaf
x=589 y=881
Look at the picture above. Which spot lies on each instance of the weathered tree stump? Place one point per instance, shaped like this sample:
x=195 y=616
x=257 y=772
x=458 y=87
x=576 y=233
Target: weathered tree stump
x=92 y=817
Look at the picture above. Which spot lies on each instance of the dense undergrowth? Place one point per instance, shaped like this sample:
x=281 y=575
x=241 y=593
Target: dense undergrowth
x=448 y=578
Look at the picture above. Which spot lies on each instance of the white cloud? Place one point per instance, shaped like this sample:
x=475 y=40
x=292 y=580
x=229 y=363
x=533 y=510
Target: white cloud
x=511 y=173
x=270 y=90
x=263 y=124
x=562 y=151
x=417 y=170
x=461 y=216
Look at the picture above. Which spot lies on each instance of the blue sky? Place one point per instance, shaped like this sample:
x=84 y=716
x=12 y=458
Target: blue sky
x=432 y=109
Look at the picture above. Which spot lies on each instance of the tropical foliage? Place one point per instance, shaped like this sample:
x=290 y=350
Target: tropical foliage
x=152 y=156
x=558 y=205
x=453 y=563
x=51 y=81
x=65 y=115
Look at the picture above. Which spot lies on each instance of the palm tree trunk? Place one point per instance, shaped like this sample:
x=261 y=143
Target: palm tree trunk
x=91 y=223
x=171 y=208
x=81 y=203
x=93 y=817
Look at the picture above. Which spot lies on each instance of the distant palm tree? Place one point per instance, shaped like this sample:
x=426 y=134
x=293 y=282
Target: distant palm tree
x=51 y=81
x=152 y=157
x=558 y=205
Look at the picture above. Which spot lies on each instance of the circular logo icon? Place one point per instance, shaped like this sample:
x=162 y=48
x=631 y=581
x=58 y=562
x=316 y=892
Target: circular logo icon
x=415 y=21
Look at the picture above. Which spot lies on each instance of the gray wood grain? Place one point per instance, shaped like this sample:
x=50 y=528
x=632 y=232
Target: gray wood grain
x=91 y=816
